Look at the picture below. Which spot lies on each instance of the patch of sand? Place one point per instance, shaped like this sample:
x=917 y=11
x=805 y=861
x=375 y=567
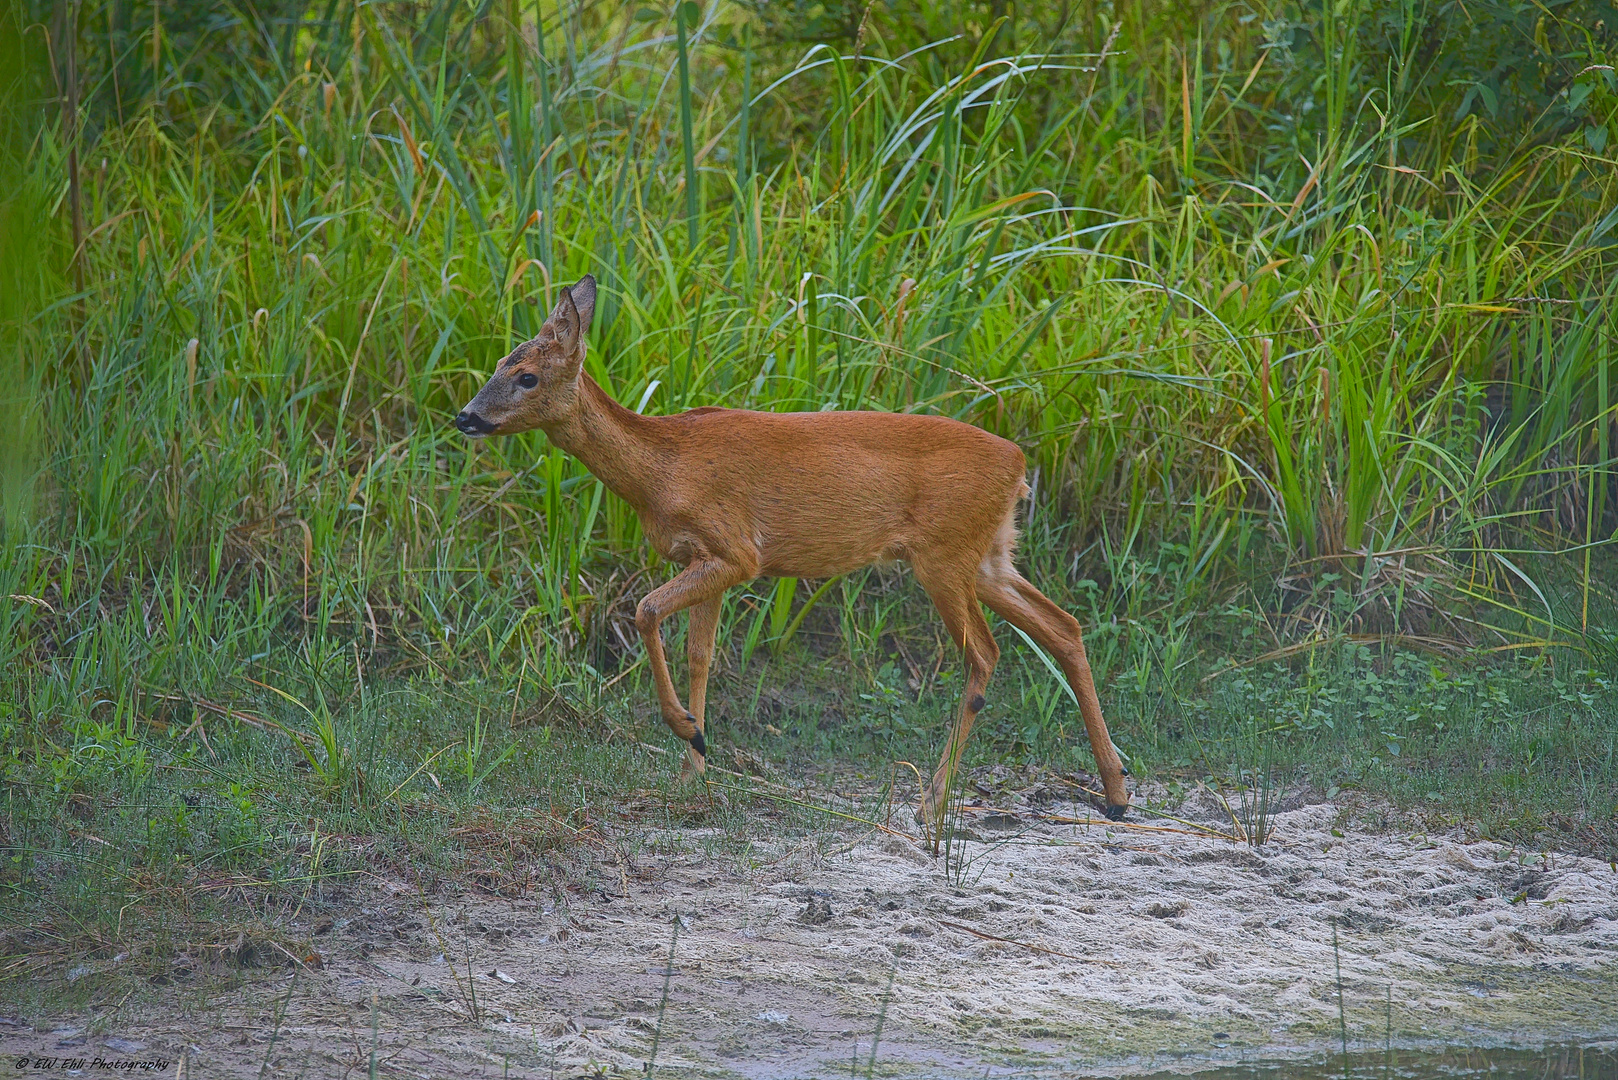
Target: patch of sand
x=1059 y=950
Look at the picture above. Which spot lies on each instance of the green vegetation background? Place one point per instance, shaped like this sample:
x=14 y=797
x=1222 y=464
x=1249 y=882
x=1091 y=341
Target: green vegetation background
x=1303 y=313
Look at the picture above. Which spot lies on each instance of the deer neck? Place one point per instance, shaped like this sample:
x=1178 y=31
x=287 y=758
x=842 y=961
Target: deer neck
x=617 y=445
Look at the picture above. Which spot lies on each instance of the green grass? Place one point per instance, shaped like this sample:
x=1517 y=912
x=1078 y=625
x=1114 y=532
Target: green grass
x=1304 y=324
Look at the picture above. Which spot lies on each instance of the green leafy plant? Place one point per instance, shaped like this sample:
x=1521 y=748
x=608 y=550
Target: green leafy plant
x=476 y=765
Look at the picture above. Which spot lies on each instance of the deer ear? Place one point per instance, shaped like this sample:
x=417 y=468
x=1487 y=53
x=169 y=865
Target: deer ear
x=583 y=294
x=566 y=324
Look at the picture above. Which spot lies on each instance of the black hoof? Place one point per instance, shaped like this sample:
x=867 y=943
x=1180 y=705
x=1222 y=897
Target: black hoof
x=1115 y=812
x=700 y=745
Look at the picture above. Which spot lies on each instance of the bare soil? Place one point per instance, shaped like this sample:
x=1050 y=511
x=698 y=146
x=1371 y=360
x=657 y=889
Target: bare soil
x=1055 y=950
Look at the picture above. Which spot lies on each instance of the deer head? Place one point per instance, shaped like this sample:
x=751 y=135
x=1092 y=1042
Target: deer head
x=536 y=385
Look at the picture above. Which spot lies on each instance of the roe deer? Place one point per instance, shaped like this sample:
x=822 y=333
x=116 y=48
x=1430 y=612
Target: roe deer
x=731 y=495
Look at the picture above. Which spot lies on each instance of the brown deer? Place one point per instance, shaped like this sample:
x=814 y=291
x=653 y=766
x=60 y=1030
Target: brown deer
x=732 y=495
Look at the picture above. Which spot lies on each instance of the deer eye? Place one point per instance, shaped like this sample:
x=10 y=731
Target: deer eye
x=528 y=380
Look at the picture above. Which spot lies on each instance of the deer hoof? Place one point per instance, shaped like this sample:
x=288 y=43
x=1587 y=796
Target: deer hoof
x=1116 y=812
x=698 y=743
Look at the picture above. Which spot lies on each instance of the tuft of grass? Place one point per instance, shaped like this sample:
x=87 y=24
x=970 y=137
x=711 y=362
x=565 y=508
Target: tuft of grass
x=1261 y=789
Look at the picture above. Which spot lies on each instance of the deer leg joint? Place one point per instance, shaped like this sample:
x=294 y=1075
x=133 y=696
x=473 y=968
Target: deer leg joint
x=646 y=618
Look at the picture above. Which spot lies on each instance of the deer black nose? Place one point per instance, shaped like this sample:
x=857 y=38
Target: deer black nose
x=470 y=423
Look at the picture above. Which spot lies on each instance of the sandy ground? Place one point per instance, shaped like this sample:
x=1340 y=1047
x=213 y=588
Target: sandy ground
x=1060 y=950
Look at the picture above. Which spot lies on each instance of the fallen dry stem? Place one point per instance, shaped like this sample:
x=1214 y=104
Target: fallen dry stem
x=1027 y=945
x=235 y=714
x=1063 y=819
x=1440 y=645
x=419 y=771
x=1201 y=829
x=799 y=802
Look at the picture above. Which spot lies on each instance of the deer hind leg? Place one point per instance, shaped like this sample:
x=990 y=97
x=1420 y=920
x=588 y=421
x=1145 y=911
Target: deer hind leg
x=1014 y=599
x=703 y=580
x=958 y=606
x=699 y=643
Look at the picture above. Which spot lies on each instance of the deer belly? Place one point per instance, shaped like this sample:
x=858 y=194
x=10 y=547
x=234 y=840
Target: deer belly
x=831 y=549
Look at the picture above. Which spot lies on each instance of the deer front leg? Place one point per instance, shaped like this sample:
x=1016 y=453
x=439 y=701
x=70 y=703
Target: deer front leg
x=703 y=580
x=699 y=643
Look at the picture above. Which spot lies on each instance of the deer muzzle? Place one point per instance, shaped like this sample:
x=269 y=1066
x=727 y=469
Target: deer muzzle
x=470 y=423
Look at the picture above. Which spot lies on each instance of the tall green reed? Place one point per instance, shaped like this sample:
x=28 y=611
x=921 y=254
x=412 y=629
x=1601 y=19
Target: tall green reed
x=1207 y=321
